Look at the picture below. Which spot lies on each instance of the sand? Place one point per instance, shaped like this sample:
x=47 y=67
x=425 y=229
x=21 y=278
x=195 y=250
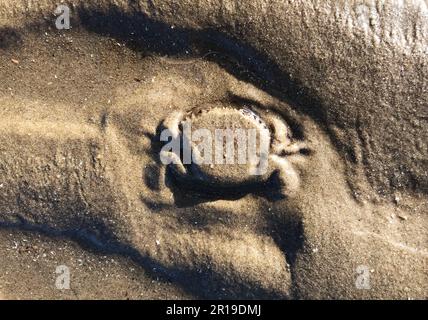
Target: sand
x=82 y=184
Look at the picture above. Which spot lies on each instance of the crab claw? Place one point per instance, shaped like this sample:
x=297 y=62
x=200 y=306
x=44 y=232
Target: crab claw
x=289 y=180
x=172 y=123
x=172 y=159
x=281 y=133
x=170 y=153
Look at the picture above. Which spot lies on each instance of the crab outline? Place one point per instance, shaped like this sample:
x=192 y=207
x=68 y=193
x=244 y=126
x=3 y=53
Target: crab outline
x=281 y=148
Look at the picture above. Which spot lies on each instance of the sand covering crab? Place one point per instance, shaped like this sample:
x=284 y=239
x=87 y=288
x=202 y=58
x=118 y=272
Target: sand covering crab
x=247 y=147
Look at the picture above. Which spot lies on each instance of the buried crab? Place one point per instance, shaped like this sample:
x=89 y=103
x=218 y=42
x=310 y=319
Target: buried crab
x=231 y=150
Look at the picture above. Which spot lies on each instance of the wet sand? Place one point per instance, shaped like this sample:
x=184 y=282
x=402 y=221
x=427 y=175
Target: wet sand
x=81 y=183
